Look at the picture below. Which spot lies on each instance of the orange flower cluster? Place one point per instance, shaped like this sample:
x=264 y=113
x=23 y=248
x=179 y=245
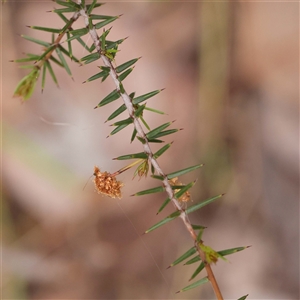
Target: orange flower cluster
x=107 y=184
x=186 y=196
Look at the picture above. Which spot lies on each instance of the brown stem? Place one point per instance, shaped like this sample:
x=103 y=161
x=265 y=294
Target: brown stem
x=58 y=39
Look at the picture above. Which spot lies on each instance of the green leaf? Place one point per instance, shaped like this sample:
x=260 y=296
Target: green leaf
x=93 y=47
x=66 y=20
x=119 y=128
x=141 y=155
x=155 y=110
x=44 y=76
x=60 y=55
x=133 y=135
x=145 y=97
x=244 y=297
x=200 y=233
x=166 y=132
x=201 y=204
x=171 y=217
x=111 y=45
x=197 y=271
x=91 y=7
x=117 y=112
x=96 y=76
x=193 y=285
x=122 y=90
x=193 y=260
x=162 y=150
x=46 y=29
x=103 y=38
x=90 y=58
x=184 y=256
x=32 y=57
x=47 y=63
x=138 y=113
x=183 y=190
x=126 y=65
x=155 y=141
x=232 y=250
x=165 y=203
x=198 y=227
x=152 y=134
x=104 y=23
x=70 y=4
x=144 y=122
x=69 y=45
x=158 y=189
x=123 y=122
x=124 y=74
x=52 y=58
x=100 y=17
x=104 y=77
x=107 y=69
x=183 y=171
x=79 y=32
x=157 y=177
x=114 y=95
x=31 y=39
x=64 y=10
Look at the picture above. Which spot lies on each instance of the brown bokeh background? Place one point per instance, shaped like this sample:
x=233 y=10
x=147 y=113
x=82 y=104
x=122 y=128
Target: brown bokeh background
x=231 y=73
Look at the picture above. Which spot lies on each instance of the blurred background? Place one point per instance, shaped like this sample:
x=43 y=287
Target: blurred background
x=231 y=73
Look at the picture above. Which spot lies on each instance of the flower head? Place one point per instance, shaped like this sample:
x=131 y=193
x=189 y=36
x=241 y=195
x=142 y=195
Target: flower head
x=107 y=184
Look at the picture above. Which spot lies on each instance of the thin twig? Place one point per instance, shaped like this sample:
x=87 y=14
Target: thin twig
x=140 y=132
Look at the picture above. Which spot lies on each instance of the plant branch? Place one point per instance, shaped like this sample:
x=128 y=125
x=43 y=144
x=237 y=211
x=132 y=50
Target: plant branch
x=58 y=39
x=140 y=132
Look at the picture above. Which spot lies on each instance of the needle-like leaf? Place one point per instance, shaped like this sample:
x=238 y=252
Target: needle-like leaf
x=114 y=95
x=183 y=171
x=145 y=97
x=202 y=204
x=126 y=65
x=168 y=219
x=193 y=285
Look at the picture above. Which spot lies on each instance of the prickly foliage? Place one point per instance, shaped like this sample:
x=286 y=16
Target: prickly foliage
x=104 y=50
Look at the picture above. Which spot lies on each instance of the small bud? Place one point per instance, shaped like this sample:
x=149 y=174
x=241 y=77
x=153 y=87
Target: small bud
x=26 y=86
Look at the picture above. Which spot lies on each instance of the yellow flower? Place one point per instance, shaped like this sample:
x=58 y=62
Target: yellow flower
x=107 y=184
